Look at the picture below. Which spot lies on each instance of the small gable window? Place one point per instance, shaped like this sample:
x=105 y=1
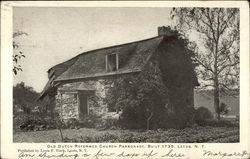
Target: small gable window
x=112 y=62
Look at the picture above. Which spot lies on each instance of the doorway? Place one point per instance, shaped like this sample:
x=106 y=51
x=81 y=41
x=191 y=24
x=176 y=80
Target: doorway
x=83 y=104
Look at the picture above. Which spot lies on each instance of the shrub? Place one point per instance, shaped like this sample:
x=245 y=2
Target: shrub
x=35 y=123
x=223 y=109
x=108 y=123
x=90 y=121
x=107 y=137
x=19 y=120
x=70 y=123
x=202 y=114
x=218 y=123
x=179 y=120
x=132 y=118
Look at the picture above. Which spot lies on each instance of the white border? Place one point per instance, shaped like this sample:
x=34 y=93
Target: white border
x=9 y=149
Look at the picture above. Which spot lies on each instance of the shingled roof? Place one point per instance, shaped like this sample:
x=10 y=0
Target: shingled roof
x=132 y=57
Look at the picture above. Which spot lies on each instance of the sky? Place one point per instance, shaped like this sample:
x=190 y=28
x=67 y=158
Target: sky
x=58 y=34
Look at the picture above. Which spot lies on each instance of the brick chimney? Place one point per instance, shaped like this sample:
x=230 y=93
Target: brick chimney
x=165 y=31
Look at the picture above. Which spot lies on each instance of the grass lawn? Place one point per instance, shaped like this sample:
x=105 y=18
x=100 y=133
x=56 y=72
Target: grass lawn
x=54 y=135
x=83 y=135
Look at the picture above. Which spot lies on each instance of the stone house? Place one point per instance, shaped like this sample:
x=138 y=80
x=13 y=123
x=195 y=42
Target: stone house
x=80 y=84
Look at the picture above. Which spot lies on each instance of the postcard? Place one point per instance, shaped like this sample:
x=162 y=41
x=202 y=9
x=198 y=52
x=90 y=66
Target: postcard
x=125 y=79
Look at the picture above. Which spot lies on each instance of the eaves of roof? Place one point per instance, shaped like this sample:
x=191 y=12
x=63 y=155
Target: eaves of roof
x=99 y=75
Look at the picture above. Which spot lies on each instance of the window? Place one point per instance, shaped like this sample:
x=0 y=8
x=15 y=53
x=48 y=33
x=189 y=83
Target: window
x=111 y=62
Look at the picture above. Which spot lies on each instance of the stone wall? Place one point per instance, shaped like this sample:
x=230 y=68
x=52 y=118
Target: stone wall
x=67 y=98
x=67 y=106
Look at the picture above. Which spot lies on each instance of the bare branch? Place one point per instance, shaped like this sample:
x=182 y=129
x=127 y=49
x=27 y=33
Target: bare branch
x=211 y=24
x=202 y=64
x=218 y=54
x=226 y=66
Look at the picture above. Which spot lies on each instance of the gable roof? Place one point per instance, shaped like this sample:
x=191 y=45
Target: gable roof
x=132 y=57
x=91 y=64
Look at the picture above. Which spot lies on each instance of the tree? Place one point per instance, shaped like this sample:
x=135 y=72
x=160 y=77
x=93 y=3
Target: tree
x=24 y=97
x=160 y=95
x=17 y=55
x=217 y=48
x=141 y=98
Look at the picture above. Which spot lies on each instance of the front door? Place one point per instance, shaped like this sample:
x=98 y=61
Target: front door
x=83 y=106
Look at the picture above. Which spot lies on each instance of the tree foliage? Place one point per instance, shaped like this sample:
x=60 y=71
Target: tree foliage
x=17 y=54
x=160 y=96
x=141 y=98
x=24 y=97
x=217 y=48
x=145 y=102
x=25 y=100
